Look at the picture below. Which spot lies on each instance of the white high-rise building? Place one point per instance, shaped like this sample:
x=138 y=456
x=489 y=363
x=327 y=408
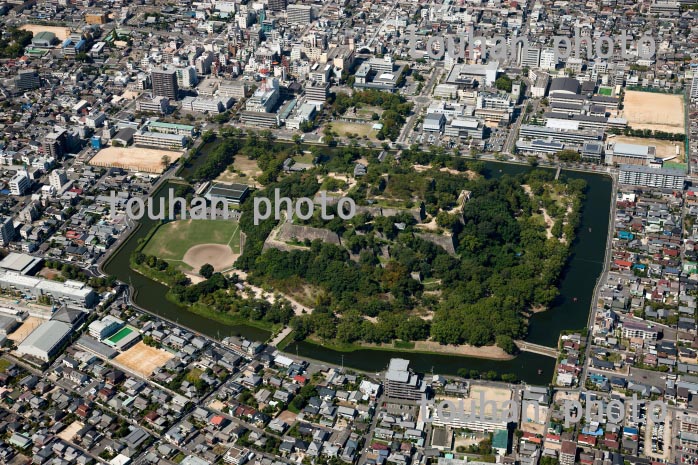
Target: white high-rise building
x=186 y=77
x=548 y=59
x=57 y=179
x=694 y=89
x=19 y=184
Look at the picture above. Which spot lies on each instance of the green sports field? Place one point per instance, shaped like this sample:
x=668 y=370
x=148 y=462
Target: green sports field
x=122 y=333
x=172 y=240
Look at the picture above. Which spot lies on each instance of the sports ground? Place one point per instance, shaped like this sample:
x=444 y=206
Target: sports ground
x=654 y=111
x=143 y=359
x=193 y=243
x=122 y=333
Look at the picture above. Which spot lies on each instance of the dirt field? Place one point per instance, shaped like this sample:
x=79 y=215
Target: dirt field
x=241 y=165
x=659 y=112
x=143 y=359
x=134 y=158
x=69 y=433
x=665 y=148
x=29 y=325
x=62 y=33
x=218 y=255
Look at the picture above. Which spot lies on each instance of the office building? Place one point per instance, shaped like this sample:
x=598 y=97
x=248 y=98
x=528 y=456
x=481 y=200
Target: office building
x=317 y=92
x=648 y=176
x=28 y=79
x=299 y=14
x=403 y=383
x=233 y=89
x=57 y=179
x=277 y=5
x=164 y=83
x=529 y=57
x=694 y=88
x=69 y=292
x=548 y=59
x=434 y=122
x=153 y=105
x=187 y=77
x=55 y=143
x=7 y=230
x=569 y=133
x=20 y=183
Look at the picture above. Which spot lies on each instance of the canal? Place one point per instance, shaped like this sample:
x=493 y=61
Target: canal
x=569 y=311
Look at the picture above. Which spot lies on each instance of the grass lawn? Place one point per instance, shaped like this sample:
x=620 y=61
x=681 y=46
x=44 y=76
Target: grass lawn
x=305 y=158
x=360 y=129
x=605 y=91
x=172 y=240
x=4 y=365
x=194 y=375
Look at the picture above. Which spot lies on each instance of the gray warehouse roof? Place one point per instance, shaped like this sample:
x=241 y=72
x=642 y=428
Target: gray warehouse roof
x=46 y=336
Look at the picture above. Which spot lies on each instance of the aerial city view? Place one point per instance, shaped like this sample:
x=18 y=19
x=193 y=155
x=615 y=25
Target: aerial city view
x=258 y=232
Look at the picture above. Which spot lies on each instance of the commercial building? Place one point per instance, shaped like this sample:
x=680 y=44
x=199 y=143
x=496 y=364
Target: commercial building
x=464 y=128
x=159 y=140
x=277 y=5
x=403 y=383
x=317 y=92
x=206 y=105
x=467 y=76
x=68 y=292
x=164 y=83
x=46 y=340
x=299 y=14
x=648 y=176
x=19 y=184
x=233 y=89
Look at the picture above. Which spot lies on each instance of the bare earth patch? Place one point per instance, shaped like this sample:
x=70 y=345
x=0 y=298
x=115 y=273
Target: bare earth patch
x=659 y=112
x=218 y=255
x=69 y=433
x=134 y=158
x=62 y=33
x=21 y=333
x=143 y=359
